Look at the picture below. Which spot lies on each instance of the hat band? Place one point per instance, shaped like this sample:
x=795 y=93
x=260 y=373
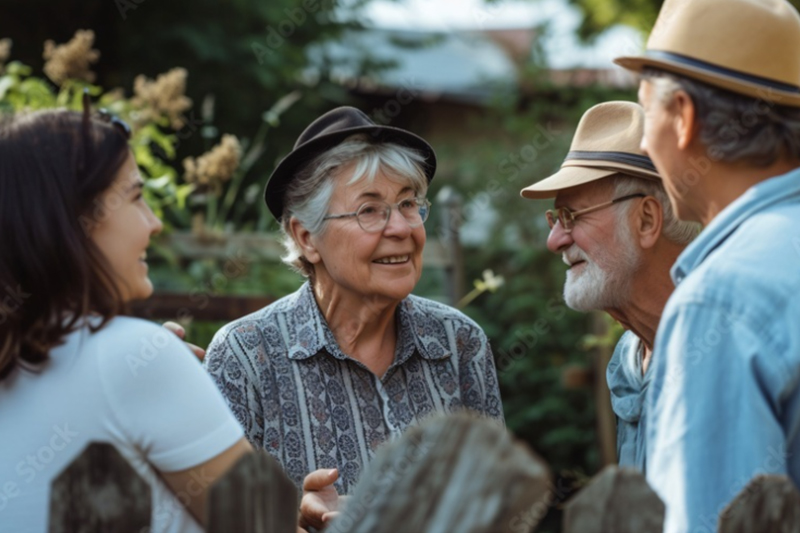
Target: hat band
x=696 y=63
x=626 y=158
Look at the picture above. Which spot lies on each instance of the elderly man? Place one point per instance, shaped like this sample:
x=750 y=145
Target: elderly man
x=721 y=93
x=615 y=229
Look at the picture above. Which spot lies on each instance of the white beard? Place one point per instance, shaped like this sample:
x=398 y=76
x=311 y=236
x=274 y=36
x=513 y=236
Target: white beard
x=593 y=287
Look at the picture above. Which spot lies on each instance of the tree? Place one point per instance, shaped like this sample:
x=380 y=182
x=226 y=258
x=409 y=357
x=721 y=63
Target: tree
x=241 y=56
x=599 y=15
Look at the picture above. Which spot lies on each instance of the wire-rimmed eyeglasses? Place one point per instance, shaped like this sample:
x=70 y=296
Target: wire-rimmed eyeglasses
x=567 y=217
x=374 y=216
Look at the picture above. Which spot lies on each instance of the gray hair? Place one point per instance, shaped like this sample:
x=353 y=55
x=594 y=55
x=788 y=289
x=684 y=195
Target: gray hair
x=734 y=127
x=673 y=229
x=309 y=194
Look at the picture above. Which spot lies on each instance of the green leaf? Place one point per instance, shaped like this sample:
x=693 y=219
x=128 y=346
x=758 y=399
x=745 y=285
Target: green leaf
x=16 y=68
x=158 y=183
x=6 y=83
x=182 y=192
x=38 y=92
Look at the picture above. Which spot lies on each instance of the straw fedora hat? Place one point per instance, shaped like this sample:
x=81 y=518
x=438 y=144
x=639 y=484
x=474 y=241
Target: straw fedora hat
x=326 y=132
x=750 y=47
x=606 y=143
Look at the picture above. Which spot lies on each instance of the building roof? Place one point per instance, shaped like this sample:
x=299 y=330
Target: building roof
x=462 y=66
x=472 y=67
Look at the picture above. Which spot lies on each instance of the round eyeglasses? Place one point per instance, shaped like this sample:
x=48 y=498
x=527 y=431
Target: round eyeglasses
x=567 y=217
x=374 y=216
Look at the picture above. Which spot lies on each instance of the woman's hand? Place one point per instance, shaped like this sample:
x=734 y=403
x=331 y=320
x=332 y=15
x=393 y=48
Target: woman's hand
x=320 y=502
x=178 y=330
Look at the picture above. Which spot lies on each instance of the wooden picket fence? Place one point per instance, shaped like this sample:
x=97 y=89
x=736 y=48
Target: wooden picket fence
x=456 y=473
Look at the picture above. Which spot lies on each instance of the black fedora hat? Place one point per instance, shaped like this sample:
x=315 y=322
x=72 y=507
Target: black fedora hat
x=326 y=132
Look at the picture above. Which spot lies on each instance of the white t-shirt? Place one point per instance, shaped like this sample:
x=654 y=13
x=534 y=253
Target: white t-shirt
x=133 y=384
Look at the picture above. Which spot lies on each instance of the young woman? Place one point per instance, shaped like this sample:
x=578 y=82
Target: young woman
x=75 y=230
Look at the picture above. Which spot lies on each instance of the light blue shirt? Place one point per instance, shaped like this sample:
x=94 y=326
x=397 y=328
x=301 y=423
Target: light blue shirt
x=724 y=398
x=628 y=387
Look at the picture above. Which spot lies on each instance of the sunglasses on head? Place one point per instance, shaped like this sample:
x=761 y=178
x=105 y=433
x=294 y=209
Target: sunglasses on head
x=105 y=116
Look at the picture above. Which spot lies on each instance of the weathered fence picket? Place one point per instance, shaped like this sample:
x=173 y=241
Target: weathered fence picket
x=768 y=504
x=455 y=473
x=452 y=473
x=255 y=496
x=618 y=500
x=99 y=491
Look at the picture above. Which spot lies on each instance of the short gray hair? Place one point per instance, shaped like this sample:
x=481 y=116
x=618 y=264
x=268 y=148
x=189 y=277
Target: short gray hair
x=309 y=194
x=734 y=127
x=674 y=230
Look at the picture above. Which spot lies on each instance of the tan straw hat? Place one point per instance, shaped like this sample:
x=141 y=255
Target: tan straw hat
x=750 y=47
x=606 y=143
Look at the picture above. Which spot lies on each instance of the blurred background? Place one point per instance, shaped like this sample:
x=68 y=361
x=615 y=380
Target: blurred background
x=218 y=91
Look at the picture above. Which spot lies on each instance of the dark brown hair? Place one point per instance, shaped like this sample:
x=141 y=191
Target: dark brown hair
x=54 y=168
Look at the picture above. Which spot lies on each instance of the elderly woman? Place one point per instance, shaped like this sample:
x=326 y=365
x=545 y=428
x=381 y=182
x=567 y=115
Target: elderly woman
x=322 y=377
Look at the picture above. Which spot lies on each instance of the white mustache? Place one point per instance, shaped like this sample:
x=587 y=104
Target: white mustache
x=573 y=254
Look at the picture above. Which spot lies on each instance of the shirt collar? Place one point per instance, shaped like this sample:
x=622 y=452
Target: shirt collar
x=626 y=384
x=307 y=329
x=413 y=332
x=309 y=332
x=768 y=193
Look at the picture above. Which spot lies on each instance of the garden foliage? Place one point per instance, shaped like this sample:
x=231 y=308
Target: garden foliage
x=198 y=71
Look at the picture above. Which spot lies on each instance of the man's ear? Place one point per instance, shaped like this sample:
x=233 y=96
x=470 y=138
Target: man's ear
x=304 y=240
x=685 y=118
x=648 y=222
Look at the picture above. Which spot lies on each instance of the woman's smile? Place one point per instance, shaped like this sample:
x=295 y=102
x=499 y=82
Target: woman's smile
x=393 y=260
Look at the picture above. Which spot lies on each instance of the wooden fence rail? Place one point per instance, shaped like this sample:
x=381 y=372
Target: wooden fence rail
x=236 y=251
x=454 y=473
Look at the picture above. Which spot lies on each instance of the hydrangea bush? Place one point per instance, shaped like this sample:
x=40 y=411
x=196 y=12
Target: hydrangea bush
x=204 y=196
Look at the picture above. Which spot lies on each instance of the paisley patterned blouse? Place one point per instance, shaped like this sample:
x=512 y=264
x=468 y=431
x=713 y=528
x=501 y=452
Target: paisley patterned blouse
x=311 y=406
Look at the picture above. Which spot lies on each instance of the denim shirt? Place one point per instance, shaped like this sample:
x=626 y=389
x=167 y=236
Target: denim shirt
x=311 y=406
x=628 y=388
x=724 y=399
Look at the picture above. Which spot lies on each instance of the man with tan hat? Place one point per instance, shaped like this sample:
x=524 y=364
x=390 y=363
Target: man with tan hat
x=615 y=229
x=721 y=93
